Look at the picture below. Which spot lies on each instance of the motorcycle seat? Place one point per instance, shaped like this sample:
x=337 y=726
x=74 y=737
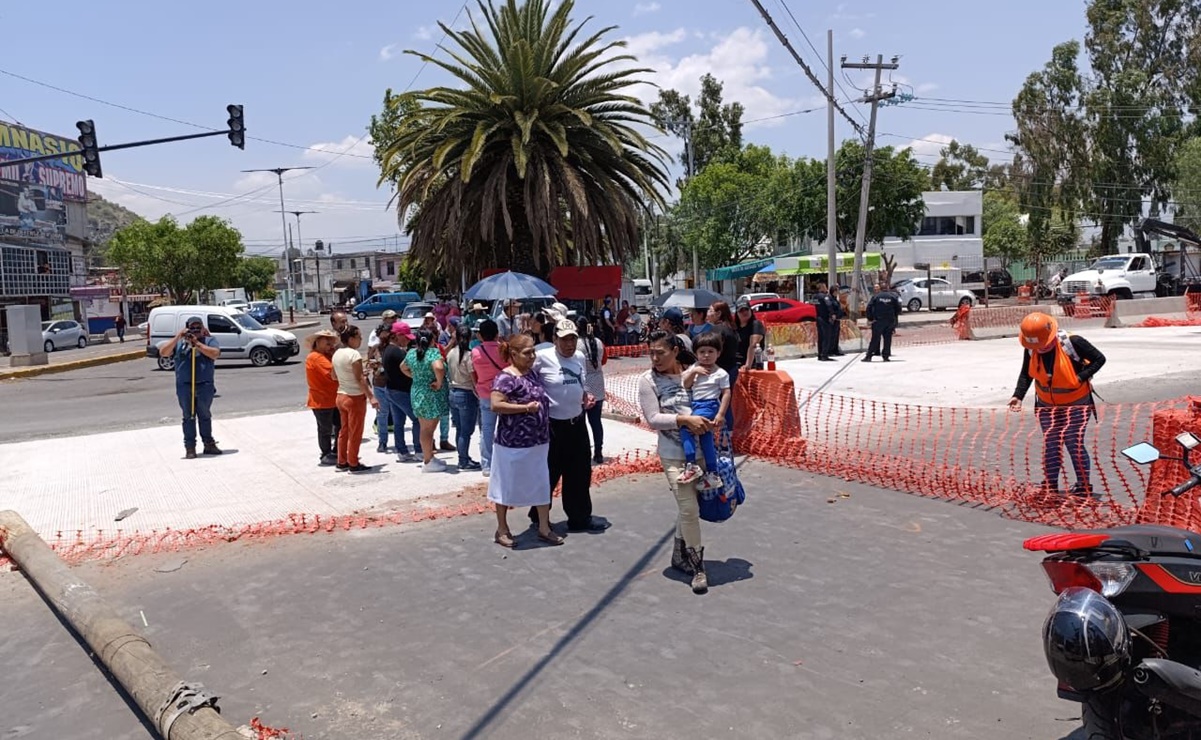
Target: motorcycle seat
x=1156 y=539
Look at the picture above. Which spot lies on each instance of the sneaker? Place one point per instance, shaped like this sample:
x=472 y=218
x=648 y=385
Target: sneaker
x=328 y=460
x=434 y=466
x=360 y=468
x=711 y=482
x=487 y=473
x=211 y=448
x=342 y=467
x=406 y=457
x=690 y=473
x=446 y=446
x=470 y=465
x=383 y=449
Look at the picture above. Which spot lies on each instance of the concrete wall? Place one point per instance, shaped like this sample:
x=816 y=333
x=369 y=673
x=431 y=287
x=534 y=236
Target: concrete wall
x=1132 y=313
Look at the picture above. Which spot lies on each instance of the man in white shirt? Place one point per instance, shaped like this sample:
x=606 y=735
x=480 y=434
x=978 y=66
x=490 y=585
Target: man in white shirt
x=507 y=324
x=386 y=319
x=562 y=370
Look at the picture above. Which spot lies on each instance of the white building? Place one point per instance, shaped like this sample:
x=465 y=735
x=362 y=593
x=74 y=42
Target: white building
x=950 y=235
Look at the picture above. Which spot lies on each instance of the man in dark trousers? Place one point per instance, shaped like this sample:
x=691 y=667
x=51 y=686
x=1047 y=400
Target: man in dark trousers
x=883 y=311
x=562 y=370
x=827 y=323
x=839 y=312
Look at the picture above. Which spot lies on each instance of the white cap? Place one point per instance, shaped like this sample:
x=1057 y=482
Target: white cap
x=566 y=328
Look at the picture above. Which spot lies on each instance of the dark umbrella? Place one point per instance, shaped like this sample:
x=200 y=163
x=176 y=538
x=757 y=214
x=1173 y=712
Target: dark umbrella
x=687 y=298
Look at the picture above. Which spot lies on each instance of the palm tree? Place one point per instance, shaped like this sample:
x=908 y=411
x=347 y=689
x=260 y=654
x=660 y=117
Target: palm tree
x=536 y=160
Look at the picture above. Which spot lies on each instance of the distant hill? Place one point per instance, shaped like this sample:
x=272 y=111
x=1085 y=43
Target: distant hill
x=105 y=218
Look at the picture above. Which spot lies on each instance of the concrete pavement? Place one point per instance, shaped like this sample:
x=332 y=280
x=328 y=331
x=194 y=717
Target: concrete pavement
x=879 y=616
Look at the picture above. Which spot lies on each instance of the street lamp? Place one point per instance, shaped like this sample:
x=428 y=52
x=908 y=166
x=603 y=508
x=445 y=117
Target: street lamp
x=279 y=172
x=300 y=241
x=318 y=247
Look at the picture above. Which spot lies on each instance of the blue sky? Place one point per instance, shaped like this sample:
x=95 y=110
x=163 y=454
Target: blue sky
x=311 y=74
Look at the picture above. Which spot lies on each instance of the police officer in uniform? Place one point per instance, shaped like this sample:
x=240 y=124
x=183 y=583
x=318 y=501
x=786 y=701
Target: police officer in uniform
x=827 y=322
x=883 y=311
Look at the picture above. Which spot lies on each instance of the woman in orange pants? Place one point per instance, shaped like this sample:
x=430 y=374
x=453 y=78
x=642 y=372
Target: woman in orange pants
x=354 y=393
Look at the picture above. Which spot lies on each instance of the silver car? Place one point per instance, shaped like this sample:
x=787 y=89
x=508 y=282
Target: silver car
x=63 y=334
x=915 y=294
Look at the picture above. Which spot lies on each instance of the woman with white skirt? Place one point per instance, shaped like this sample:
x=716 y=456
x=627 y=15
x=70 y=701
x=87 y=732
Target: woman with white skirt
x=520 y=476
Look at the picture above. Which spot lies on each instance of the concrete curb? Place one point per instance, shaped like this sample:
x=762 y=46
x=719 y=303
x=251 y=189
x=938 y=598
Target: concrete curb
x=299 y=325
x=62 y=367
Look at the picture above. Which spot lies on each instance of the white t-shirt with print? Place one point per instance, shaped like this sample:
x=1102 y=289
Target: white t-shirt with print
x=563 y=378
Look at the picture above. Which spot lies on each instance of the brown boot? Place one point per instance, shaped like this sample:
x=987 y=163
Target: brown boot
x=189 y=453
x=447 y=447
x=678 y=560
x=696 y=558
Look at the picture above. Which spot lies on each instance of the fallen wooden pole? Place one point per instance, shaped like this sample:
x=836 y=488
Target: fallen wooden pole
x=177 y=710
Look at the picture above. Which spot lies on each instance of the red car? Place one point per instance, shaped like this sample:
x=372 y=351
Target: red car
x=783 y=310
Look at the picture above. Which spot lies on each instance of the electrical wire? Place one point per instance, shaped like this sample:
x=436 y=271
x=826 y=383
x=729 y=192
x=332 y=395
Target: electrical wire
x=820 y=58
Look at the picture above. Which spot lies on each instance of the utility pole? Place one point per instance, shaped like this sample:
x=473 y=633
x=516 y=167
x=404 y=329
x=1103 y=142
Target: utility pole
x=696 y=264
x=874 y=97
x=304 y=297
x=283 y=221
x=831 y=170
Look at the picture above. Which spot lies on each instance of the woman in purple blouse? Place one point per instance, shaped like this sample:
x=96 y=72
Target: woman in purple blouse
x=520 y=476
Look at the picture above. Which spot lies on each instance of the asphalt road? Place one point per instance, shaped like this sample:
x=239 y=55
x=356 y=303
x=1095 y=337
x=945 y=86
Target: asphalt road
x=880 y=615
x=135 y=394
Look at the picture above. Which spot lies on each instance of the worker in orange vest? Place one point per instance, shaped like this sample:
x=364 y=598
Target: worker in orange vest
x=1061 y=368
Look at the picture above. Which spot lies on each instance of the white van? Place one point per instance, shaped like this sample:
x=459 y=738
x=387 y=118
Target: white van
x=239 y=336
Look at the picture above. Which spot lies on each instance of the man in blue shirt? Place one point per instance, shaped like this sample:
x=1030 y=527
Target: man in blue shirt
x=195 y=351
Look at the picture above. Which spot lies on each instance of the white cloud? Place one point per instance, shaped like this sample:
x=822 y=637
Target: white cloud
x=423 y=33
x=354 y=151
x=929 y=146
x=737 y=59
x=645 y=8
x=856 y=33
x=926 y=87
x=388 y=52
x=843 y=13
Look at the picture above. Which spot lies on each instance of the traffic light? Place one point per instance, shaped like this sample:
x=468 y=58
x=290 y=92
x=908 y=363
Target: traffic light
x=237 y=127
x=87 y=140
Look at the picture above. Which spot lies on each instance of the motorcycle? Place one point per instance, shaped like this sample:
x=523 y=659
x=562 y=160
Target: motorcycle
x=1124 y=635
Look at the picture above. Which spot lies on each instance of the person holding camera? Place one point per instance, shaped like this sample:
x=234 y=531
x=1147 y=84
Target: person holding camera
x=195 y=352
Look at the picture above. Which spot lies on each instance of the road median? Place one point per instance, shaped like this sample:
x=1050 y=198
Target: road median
x=15 y=373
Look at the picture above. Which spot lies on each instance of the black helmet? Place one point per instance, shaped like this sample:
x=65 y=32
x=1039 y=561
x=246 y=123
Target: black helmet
x=1086 y=640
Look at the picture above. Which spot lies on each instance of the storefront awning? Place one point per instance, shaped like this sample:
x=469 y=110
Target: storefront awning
x=820 y=264
x=744 y=269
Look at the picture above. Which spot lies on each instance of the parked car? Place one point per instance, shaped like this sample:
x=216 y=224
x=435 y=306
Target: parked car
x=1000 y=283
x=63 y=334
x=782 y=310
x=747 y=297
x=238 y=335
x=920 y=291
x=265 y=312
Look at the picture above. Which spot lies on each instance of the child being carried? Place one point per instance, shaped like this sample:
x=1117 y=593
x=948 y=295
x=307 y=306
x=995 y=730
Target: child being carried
x=709 y=388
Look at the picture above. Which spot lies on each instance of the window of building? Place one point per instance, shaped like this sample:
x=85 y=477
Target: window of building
x=352 y=265
x=391 y=269
x=337 y=264
x=947 y=226
x=43 y=259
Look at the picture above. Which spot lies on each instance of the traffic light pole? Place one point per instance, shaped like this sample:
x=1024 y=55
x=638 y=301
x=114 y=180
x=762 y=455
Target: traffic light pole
x=112 y=148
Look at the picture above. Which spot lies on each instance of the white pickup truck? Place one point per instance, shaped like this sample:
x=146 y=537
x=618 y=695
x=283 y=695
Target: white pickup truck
x=1117 y=275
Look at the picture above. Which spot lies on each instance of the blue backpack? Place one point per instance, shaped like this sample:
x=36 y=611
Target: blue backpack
x=719 y=504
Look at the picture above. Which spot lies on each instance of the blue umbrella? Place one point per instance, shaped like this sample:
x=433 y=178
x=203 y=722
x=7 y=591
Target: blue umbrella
x=509 y=285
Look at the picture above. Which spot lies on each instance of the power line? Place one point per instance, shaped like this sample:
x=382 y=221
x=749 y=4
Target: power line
x=11 y=117
x=829 y=94
x=819 y=56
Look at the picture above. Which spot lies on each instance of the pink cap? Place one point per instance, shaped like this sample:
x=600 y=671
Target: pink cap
x=402 y=328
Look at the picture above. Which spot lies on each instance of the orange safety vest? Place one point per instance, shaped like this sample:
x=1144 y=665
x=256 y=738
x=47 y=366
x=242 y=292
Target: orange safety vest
x=1060 y=387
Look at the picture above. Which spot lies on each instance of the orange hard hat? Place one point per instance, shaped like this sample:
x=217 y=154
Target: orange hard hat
x=1038 y=331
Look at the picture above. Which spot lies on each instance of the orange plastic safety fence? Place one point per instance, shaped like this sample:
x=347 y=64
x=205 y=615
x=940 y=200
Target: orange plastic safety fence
x=1162 y=507
x=263 y=732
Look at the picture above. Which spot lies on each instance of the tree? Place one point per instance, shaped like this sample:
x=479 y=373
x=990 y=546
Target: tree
x=961 y=167
x=255 y=274
x=1005 y=235
x=536 y=158
x=201 y=256
x=716 y=131
x=895 y=205
x=385 y=127
x=1186 y=191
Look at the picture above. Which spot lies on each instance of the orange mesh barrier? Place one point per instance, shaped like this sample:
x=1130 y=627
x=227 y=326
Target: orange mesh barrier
x=1162 y=507
x=762 y=427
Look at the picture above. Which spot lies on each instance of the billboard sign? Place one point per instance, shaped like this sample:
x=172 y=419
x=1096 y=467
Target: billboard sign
x=32 y=214
x=64 y=174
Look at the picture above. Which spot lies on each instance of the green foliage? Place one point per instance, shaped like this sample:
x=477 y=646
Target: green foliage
x=1186 y=190
x=410 y=277
x=716 y=128
x=255 y=274
x=385 y=127
x=895 y=205
x=963 y=167
x=1005 y=235
x=1101 y=143
x=203 y=255
x=105 y=218
x=534 y=158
